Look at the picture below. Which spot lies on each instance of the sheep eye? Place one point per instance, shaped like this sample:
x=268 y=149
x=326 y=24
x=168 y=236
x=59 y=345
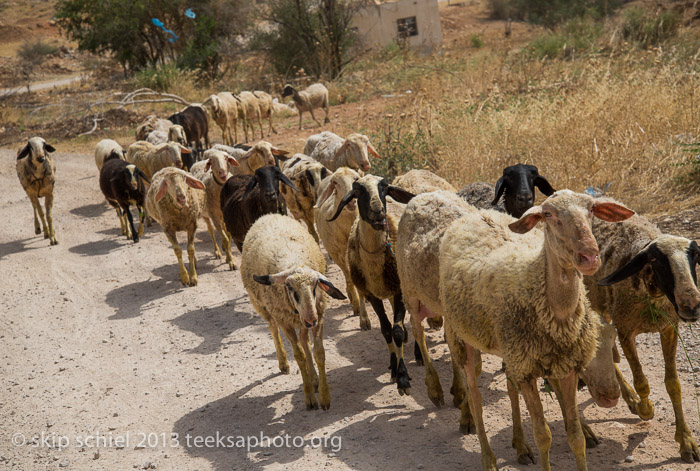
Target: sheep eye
x=296 y=296
x=547 y=214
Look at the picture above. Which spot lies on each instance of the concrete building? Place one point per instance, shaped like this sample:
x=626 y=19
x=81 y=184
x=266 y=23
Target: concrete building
x=415 y=21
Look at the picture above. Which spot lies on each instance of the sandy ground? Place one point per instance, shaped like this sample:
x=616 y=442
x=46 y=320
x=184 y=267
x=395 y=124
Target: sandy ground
x=99 y=341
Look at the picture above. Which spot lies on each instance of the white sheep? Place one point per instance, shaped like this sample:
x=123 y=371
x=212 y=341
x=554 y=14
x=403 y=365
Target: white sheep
x=37 y=174
x=104 y=148
x=251 y=158
x=647 y=283
x=151 y=123
x=251 y=105
x=314 y=96
x=224 y=110
x=174 y=200
x=149 y=158
x=266 y=108
x=523 y=298
x=335 y=234
x=422 y=181
x=213 y=172
x=334 y=152
x=306 y=174
x=175 y=133
x=283 y=271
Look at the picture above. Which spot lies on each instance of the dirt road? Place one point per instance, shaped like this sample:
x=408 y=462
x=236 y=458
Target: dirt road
x=118 y=366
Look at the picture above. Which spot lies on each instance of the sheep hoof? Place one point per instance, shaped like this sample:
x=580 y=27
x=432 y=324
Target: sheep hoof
x=46 y=235
x=644 y=409
x=365 y=324
x=325 y=406
x=37 y=230
x=193 y=281
x=311 y=405
x=469 y=429
x=326 y=121
x=526 y=458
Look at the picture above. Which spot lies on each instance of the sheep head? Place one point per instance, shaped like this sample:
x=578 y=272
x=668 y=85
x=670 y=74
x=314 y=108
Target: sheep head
x=518 y=182
x=175 y=185
x=219 y=162
x=37 y=149
x=340 y=184
x=355 y=149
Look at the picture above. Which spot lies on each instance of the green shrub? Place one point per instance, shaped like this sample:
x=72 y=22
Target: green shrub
x=476 y=41
x=160 y=78
x=576 y=36
x=551 y=12
x=35 y=51
x=649 y=29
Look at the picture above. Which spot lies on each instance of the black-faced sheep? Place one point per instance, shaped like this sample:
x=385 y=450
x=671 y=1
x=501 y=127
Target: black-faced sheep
x=283 y=271
x=245 y=198
x=123 y=184
x=194 y=120
x=37 y=174
x=314 y=96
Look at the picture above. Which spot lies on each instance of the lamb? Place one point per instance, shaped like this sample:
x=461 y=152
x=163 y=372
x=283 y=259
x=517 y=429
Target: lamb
x=314 y=96
x=195 y=123
x=174 y=200
x=224 y=110
x=37 y=174
x=175 y=133
x=335 y=234
x=123 y=184
x=518 y=182
x=422 y=181
x=283 y=271
x=150 y=158
x=253 y=157
x=372 y=264
x=151 y=123
x=306 y=174
x=104 y=149
x=647 y=283
x=266 y=108
x=245 y=198
x=213 y=172
x=489 y=277
x=334 y=152
x=251 y=105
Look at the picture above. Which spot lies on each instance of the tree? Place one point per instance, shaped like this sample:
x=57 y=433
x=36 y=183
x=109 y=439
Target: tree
x=124 y=29
x=313 y=35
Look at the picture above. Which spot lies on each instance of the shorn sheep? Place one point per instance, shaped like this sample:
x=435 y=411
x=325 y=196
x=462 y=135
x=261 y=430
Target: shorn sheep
x=516 y=186
x=151 y=123
x=245 y=198
x=253 y=157
x=334 y=152
x=372 y=264
x=213 y=172
x=224 y=111
x=422 y=181
x=335 y=234
x=150 y=158
x=490 y=276
x=306 y=174
x=283 y=271
x=104 y=149
x=314 y=96
x=175 y=133
x=123 y=184
x=37 y=174
x=250 y=104
x=647 y=284
x=176 y=200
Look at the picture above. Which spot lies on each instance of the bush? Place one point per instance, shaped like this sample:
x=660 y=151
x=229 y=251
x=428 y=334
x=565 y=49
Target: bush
x=649 y=29
x=577 y=36
x=35 y=51
x=160 y=78
x=551 y=12
x=476 y=41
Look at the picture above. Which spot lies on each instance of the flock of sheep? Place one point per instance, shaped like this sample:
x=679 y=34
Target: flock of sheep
x=544 y=287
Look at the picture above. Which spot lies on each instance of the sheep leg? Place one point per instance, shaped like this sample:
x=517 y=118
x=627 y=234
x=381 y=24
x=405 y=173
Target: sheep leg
x=356 y=299
x=142 y=216
x=311 y=110
x=122 y=224
x=210 y=229
x=488 y=459
x=262 y=134
x=543 y=437
x=279 y=348
x=225 y=243
x=135 y=235
x=669 y=344
x=325 y=106
x=299 y=117
x=309 y=220
x=591 y=439
x=272 y=128
x=324 y=392
x=432 y=380
x=519 y=442
x=304 y=338
x=190 y=254
x=300 y=357
x=184 y=277
x=40 y=212
x=48 y=202
x=642 y=406
x=400 y=335
x=385 y=325
x=574 y=433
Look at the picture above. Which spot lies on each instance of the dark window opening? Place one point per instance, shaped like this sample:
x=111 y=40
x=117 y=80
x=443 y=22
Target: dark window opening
x=407 y=27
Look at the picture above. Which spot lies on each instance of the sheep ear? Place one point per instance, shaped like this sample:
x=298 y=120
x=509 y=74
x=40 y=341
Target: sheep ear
x=500 y=188
x=372 y=151
x=232 y=161
x=251 y=185
x=325 y=284
x=49 y=148
x=342 y=149
x=633 y=267
x=283 y=178
x=142 y=175
x=611 y=212
x=527 y=221
x=280 y=153
x=344 y=202
x=274 y=279
x=194 y=183
x=24 y=152
x=543 y=185
x=184 y=149
x=124 y=152
x=330 y=189
x=324 y=172
x=310 y=177
x=161 y=191
x=207 y=166
x=399 y=194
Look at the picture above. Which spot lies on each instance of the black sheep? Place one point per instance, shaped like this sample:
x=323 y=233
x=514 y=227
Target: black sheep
x=245 y=198
x=123 y=184
x=193 y=120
